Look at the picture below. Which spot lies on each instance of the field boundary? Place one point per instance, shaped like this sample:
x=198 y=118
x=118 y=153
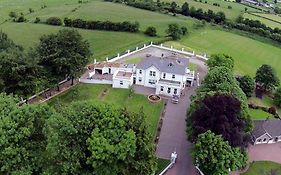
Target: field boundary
x=265 y=18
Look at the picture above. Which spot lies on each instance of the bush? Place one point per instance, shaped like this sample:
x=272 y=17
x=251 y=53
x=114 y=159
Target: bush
x=31 y=10
x=13 y=14
x=151 y=31
x=37 y=20
x=21 y=19
x=56 y=21
x=272 y=110
x=229 y=7
x=277 y=97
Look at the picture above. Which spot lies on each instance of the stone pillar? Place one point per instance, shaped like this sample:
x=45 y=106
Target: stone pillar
x=137 y=48
x=128 y=51
x=161 y=45
x=171 y=47
x=118 y=55
x=151 y=43
x=182 y=49
x=193 y=52
x=144 y=45
x=107 y=59
x=205 y=55
x=95 y=61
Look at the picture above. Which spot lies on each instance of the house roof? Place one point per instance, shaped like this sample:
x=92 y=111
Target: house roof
x=103 y=64
x=166 y=64
x=270 y=126
x=122 y=74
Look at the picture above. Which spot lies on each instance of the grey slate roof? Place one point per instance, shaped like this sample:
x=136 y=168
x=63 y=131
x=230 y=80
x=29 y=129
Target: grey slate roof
x=270 y=126
x=165 y=64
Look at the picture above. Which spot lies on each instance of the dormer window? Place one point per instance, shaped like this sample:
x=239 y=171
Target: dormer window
x=173 y=76
x=170 y=64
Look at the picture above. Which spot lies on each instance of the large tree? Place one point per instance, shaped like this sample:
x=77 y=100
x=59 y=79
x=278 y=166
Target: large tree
x=214 y=156
x=185 y=9
x=23 y=140
x=6 y=43
x=97 y=139
x=20 y=72
x=63 y=54
x=247 y=84
x=219 y=113
x=174 y=31
x=267 y=78
x=220 y=60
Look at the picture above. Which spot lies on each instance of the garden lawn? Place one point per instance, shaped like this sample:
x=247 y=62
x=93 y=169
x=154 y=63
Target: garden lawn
x=103 y=43
x=134 y=60
x=237 y=9
x=118 y=97
x=258 y=114
x=162 y=164
x=249 y=54
x=263 y=168
x=266 y=101
x=267 y=22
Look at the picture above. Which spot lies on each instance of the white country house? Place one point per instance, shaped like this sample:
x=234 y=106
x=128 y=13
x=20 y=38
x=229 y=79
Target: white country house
x=168 y=75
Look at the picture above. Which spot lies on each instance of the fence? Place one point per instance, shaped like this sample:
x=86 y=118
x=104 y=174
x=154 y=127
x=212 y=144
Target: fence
x=161 y=46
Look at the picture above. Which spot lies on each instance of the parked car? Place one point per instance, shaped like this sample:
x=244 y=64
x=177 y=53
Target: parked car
x=175 y=99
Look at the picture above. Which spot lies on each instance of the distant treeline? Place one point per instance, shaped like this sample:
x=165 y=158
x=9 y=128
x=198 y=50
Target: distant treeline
x=95 y=25
x=253 y=26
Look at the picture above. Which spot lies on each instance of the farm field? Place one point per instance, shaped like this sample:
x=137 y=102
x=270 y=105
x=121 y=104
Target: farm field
x=103 y=43
x=263 y=167
x=237 y=9
x=267 y=22
x=118 y=97
x=249 y=54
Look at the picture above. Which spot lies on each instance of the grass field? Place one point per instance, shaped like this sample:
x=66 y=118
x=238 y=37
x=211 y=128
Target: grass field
x=249 y=54
x=118 y=97
x=103 y=44
x=237 y=9
x=263 y=168
x=266 y=101
x=162 y=163
x=267 y=22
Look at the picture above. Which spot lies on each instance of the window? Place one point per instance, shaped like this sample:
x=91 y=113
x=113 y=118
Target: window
x=173 y=76
x=140 y=79
x=121 y=82
x=264 y=140
x=169 y=90
x=152 y=73
x=140 y=71
x=152 y=81
x=175 y=91
x=259 y=140
x=164 y=75
x=162 y=88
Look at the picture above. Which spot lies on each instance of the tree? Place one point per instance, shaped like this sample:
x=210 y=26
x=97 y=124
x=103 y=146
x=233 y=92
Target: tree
x=150 y=31
x=184 y=30
x=173 y=7
x=215 y=156
x=20 y=73
x=174 y=31
x=219 y=113
x=247 y=84
x=23 y=140
x=56 y=21
x=99 y=139
x=266 y=77
x=63 y=54
x=185 y=9
x=13 y=14
x=6 y=43
x=277 y=97
x=220 y=60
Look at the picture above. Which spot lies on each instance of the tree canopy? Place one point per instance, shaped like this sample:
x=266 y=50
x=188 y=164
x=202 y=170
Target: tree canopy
x=247 y=84
x=215 y=156
x=63 y=54
x=220 y=60
x=267 y=78
x=220 y=113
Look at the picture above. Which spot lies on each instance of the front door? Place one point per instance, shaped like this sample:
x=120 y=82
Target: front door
x=134 y=80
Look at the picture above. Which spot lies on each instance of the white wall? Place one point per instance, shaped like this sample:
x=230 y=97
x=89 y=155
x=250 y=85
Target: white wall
x=165 y=90
x=265 y=136
x=148 y=77
x=126 y=83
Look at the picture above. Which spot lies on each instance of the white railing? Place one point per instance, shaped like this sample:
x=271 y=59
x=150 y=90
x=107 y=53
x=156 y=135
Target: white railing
x=173 y=161
x=95 y=81
x=161 y=46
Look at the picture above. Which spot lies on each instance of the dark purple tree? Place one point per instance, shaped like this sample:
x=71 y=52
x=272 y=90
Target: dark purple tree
x=219 y=113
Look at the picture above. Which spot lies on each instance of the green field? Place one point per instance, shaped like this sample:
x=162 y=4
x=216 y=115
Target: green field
x=263 y=168
x=103 y=44
x=267 y=22
x=237 y=9
x=118 y=97
x=249 y=54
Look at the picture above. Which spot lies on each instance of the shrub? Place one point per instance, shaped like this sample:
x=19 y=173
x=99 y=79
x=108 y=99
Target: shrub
x=151 y=31
x=13 y=14
x=54 y=21
x=30 y=10
x=21 y=19
x=277 y=97
x=272 y=110
x=229 y=7
x=37 y=20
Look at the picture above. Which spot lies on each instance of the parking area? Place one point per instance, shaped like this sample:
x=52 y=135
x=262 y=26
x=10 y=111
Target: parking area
x=270 y=152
